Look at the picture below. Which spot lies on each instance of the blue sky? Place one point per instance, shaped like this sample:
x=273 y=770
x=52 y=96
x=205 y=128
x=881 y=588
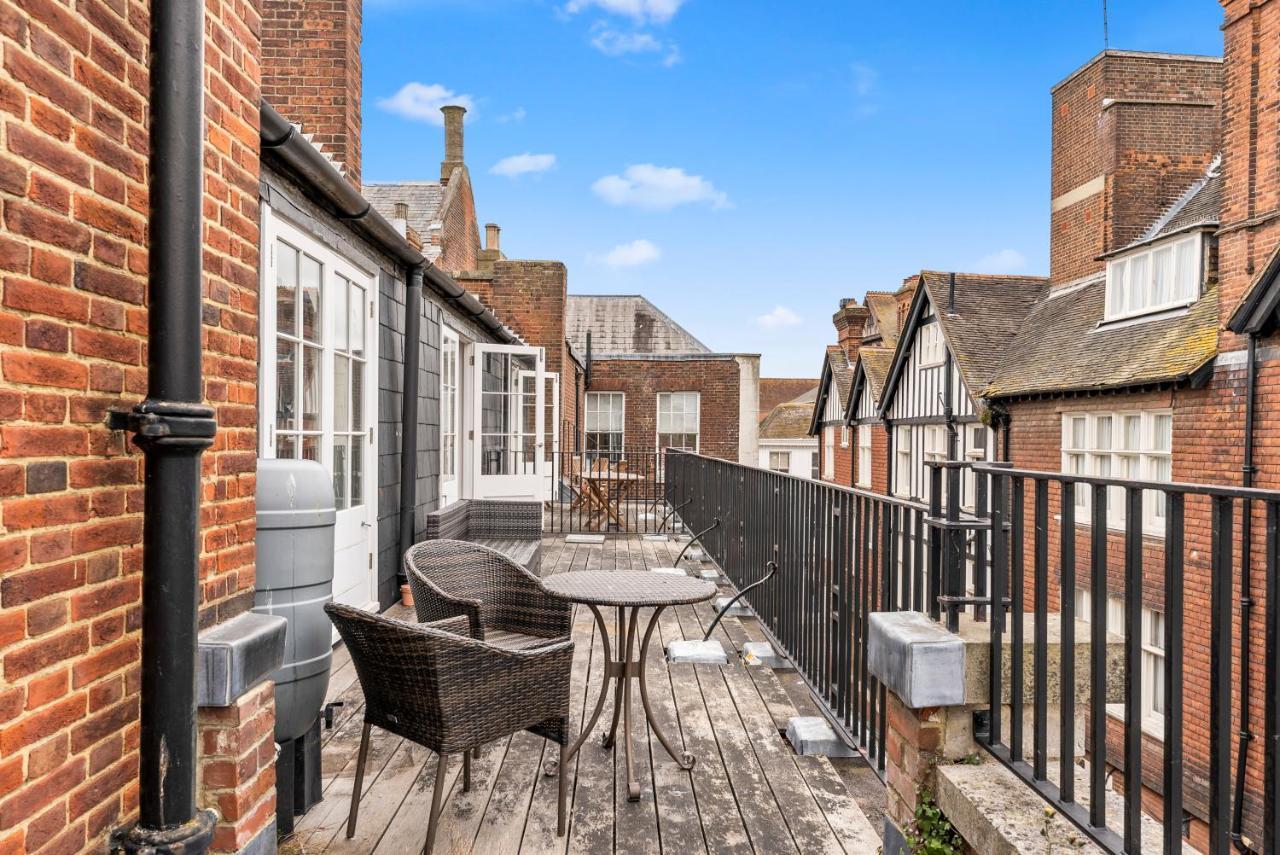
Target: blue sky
x=746 y=164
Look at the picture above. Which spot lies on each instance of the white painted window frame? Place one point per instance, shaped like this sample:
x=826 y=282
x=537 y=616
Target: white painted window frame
x=1104 y=450
x=697 y=419
x=1127 y=298
x=588 y=411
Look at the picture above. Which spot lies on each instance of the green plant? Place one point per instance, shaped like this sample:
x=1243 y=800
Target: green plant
x=931 y=833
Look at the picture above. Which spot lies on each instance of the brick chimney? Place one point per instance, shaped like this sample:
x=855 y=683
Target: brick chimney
x=492 y=252
x=452 y=140
x=849 y=321
x=1131 y=132
x=311 y=72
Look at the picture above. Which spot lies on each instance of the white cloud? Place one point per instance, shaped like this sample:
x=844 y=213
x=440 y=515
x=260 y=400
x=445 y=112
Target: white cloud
x=1004 y=261
x=516 y=116
x=780 y=317
x=421 y=102
x=611 y=42
x=658 y=188
x=632 y=254
x=865 y=79
x=523 y=164
x=640 y=11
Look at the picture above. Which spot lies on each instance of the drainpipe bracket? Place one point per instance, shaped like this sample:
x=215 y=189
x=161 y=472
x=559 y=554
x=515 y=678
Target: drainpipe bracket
x=189 y=838
x=167 y=423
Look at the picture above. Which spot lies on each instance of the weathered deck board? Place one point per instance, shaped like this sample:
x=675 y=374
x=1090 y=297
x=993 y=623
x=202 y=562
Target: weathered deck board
x=747 y=792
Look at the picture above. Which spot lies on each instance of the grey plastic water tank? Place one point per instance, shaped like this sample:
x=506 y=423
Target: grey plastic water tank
x=296 y=515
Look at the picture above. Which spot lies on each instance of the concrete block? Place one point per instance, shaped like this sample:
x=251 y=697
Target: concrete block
x=762 y=653
x=584 y=538
x=671 y=571
x=739 y=609
x=683 y=537
x=709 y=574
x=655 y=538
x=695 y=553
x=917 y=659
x=697 y=652
x=814 y=736
x=236 y=655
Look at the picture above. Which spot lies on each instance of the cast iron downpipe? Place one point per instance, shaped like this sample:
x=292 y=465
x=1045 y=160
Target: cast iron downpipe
x=409 y=407
x=172 y=428
x=1246 y=595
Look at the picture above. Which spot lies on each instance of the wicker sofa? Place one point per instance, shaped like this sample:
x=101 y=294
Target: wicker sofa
x=511 y=527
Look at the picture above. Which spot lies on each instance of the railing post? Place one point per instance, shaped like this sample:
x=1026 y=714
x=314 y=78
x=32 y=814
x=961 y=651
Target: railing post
x=953 y=566
x=933 y=573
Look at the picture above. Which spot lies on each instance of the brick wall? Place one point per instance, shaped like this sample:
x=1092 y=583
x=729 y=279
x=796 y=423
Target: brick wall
x=716 y=379
x=73 y=188
x=311 y=71
x=843 y=456
x=1147 y=126
x=459 y=235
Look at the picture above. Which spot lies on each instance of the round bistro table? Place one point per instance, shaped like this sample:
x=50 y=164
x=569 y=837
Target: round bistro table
x=634 y=591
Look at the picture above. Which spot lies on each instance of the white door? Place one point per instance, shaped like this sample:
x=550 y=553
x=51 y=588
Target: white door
x=319 y=380
x=450 y=418
x=551 y=462
x=509 y=434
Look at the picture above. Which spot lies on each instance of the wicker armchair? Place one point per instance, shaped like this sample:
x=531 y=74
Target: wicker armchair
x=505 y=603
x=433 y=685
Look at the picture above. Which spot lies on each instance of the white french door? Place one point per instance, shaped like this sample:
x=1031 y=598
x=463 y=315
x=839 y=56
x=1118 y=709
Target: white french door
x=510 y=434
x=450 y=418
x=318 y=386
x=551 y=435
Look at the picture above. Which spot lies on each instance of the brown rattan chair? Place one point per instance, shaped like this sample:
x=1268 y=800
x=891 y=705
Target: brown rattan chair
x=505 y=603
x=434 y=685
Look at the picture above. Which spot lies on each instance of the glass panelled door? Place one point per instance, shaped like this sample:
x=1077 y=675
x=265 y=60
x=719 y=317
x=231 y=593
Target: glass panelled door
x=510 y=439
x=551 y=434
x=317 y=312
x=450 y=422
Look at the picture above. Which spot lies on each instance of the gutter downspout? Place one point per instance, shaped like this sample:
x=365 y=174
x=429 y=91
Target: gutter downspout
x=172 y=427
x=1248 y=470
x=409 y=408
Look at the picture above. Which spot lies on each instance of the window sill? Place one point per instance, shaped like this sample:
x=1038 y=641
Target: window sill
x=1151 y=728
x=1176 y=310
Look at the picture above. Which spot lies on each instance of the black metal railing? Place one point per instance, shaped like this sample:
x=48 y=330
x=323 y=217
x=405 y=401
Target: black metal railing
x=1181 y=589
x=841 y=555
x=1164 y=566
x=617 y=491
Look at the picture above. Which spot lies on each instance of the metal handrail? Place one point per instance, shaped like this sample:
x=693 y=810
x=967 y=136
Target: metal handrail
x=772 y=567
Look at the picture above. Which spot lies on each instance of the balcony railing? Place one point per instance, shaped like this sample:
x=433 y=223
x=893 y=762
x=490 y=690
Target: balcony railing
x=1182 y=576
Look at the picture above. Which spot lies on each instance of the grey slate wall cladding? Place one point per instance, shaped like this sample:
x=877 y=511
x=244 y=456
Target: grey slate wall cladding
x=288 y=199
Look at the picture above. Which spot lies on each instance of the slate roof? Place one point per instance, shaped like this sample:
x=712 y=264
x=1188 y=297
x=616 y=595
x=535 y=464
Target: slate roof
x=837 y=371
x=625 y=324
x=884 y=308
x=780 y=390
x=787 y=421
x=989 y=313
x=424 y=199
x=841 y=370
x=1063 y=348
x=876 y=362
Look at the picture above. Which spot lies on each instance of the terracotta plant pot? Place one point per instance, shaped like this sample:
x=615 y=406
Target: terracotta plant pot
x=406 y=595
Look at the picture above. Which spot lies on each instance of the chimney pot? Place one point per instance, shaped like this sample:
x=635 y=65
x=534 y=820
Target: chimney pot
x=453 y=156
x=492 y=237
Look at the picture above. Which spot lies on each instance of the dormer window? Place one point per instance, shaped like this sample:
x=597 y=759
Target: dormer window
x=1162 y=276
x=932 y=349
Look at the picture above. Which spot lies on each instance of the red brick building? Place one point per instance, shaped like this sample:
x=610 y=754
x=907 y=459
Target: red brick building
x=835 y=455
x=73 y=274
x=650 y=384
x=870 y=458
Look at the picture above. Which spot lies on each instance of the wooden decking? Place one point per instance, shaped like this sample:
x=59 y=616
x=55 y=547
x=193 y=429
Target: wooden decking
x=749 y=792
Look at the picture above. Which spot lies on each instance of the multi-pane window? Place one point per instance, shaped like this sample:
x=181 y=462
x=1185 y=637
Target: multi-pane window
x=449 y=406
x=1128 y=445
x=864 y=455
x=299 y=349
x=780 y=461
x=828 y=453
x=1160 y=277
x=1152 y=667
x=605 y=415
x=813 y=465
x=930 y=344
x=348 y=392
x=902 y=460
x=844 y=436
x=678 y=420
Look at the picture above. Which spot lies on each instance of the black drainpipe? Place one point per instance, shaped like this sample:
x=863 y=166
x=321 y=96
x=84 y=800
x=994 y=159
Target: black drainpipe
x=172 y=427
x=586 y=372
x=409 y=408
x=1246 y=595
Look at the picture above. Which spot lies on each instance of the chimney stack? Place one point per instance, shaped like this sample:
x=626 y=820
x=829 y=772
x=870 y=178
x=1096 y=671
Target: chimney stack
x=849 y=322
x=492 y=235
x=401 y=211
x=453 y=114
